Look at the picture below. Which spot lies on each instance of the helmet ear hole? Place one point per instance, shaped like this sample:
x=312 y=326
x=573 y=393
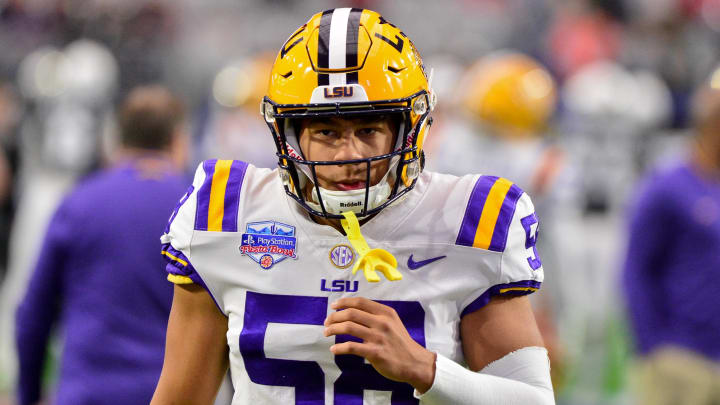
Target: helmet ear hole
x=422 y=160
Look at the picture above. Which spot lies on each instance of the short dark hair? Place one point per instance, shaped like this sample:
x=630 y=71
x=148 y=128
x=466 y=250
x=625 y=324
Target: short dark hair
x=149 y=117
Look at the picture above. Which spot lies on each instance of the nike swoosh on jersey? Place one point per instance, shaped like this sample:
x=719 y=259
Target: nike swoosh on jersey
x=413 y=265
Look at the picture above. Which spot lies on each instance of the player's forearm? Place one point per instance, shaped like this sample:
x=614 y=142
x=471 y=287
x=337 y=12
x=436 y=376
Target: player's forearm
x=522 y=377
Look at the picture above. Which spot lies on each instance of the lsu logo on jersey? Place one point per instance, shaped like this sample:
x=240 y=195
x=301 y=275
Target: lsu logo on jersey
x=268 y=242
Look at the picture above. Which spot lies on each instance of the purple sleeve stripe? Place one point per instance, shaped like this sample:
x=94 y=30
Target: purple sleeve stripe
x=517 y=288
x=203 y=196
x=502 y=226
x=474 y=209
x=195 y=277
x=232 y=195
x=178 y=259
x=173 y=268
x=177 y=268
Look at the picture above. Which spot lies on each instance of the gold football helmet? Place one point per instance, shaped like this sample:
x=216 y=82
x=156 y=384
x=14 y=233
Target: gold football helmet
x=349 y=62
x=509 y=92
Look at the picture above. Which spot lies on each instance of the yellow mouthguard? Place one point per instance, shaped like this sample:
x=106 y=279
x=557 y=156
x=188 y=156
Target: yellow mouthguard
x=371 y=260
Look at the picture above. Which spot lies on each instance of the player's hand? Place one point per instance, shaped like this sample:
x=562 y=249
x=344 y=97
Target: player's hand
x=386 y=344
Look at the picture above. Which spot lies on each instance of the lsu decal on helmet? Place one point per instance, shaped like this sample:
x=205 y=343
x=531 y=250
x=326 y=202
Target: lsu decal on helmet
x=348 y=62
x=509 y=92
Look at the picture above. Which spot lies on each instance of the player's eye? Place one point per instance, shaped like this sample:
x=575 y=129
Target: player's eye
x=325 y=132
x=366 y=131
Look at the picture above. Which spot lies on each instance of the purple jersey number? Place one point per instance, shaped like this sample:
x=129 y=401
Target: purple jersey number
x=531 y=240
x=306 y=376
x=358 y=375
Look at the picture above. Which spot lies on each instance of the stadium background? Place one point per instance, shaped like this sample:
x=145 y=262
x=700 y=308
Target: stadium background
x=625 y=70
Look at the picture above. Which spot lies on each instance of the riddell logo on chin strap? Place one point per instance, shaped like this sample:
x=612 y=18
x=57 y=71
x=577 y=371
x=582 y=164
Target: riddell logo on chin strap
x=338 y=91
x=351 y=204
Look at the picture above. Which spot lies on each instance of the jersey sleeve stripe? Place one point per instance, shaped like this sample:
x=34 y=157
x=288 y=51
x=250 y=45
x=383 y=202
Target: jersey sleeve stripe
x=175 y=259
x=203 y=196
x=232 y=195
x=490 y=213
x=218 y=186
x=176 y=279
x=219 y=195
x=181 y=271
x=502 y=225
x=468 y=229
x=510 y=289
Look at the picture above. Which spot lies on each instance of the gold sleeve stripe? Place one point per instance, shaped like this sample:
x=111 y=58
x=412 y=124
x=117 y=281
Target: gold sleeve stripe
x=177 y=259
x=490 y=212
x=504 y=290
x=217 y=195
x=178 y=279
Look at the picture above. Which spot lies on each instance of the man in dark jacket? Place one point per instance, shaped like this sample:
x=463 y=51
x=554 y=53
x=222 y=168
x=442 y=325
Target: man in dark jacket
x=98 y=272
x=672 y=268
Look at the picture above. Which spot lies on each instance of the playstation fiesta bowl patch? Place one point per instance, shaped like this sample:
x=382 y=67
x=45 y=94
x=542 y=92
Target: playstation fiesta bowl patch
x=268 y=242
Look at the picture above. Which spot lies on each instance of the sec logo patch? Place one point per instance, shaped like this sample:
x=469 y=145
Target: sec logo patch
x=342 y=256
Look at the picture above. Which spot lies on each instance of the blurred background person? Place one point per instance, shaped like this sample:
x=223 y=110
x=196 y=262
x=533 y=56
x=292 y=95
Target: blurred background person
x=66 y=102
x=672 y=265
x=9 y=120
x=99 y=274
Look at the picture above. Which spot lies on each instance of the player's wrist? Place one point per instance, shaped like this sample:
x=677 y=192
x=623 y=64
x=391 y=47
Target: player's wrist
x=424 y=371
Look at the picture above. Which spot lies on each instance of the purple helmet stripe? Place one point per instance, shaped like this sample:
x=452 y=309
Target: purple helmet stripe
x=232 y=195
x=203 y=196
x=474 y=209
x=351 y=44
x=323 y=56
x=502 y=226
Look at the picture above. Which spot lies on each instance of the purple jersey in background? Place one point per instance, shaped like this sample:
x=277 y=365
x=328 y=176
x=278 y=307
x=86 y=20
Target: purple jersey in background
x=99 y=274
x=673 y=262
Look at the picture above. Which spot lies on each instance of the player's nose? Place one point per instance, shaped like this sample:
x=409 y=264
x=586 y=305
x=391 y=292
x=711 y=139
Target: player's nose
x=349 y=147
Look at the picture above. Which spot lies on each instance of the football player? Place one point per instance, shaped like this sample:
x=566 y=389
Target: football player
x=262 y=259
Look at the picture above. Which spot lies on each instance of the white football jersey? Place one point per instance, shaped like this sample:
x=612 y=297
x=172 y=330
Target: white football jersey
x=274 y=273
